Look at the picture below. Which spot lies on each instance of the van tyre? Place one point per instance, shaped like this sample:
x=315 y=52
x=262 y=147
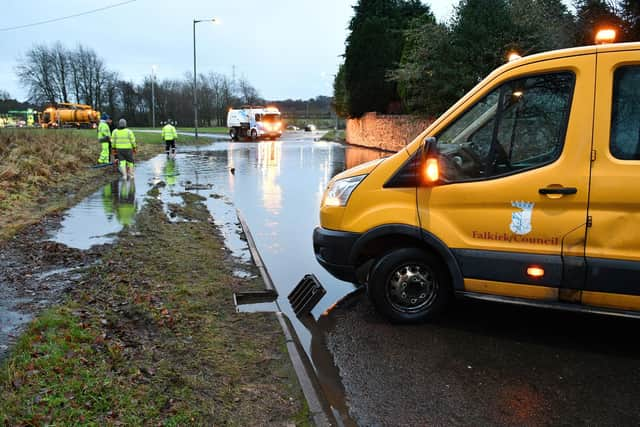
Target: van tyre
x=254 y=135
x=409 y=285
x=233 y=133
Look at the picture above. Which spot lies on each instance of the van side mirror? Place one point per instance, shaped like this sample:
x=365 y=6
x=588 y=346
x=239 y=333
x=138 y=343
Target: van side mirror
x=430 y=164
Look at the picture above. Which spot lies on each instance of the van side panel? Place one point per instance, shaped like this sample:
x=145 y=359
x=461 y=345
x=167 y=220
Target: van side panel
x=613 y=240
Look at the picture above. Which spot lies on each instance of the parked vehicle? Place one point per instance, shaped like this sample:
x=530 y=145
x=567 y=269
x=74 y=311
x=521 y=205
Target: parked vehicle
x=69 y=115
x=254 y=123
x=310 y=127
x=524 y=191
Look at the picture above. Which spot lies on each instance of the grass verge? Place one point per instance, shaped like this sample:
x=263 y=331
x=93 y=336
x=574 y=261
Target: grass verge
x=150 y=336
x=333 y=135
x=217 y=130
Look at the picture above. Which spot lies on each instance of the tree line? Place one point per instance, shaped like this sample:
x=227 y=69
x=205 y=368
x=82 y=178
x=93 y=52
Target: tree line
x=399 y=59
x=55 y=74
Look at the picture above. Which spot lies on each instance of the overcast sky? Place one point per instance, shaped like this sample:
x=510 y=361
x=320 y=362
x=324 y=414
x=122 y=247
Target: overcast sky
x=285 y=48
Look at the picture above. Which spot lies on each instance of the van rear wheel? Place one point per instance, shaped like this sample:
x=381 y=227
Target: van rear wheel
x=409 y=285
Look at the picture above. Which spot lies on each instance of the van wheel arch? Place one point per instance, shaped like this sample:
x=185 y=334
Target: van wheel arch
x=378 y=242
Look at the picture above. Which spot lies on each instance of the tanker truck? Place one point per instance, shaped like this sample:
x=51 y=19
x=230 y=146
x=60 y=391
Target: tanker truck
x=69 y=115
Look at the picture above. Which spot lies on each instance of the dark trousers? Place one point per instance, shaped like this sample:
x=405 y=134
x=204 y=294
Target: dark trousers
x=170 y=144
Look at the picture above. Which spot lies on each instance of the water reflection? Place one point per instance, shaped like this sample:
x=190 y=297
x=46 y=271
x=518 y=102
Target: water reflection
x=119 y=199
x=170 y=172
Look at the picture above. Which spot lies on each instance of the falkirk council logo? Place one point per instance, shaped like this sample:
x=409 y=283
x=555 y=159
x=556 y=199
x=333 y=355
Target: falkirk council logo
x=521 y=220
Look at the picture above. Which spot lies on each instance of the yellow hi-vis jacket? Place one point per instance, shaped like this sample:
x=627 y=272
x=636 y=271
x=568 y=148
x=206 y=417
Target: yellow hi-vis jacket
x=169 y=133
x=123 y=138
x=103 y=132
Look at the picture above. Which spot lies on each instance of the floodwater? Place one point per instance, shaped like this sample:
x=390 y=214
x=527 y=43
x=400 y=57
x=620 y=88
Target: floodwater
x=277 y=186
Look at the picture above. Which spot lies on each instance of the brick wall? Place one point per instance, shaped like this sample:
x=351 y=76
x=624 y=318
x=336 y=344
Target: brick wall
x=389 y=133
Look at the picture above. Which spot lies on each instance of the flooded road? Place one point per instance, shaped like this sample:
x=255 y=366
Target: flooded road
x=482 y=364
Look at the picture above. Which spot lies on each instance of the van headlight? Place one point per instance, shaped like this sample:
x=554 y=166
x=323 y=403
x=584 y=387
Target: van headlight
x=340 y=191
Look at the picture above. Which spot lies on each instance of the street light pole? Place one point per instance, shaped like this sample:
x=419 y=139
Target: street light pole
x=195 y=88
x=195 y=74
x=153 y=97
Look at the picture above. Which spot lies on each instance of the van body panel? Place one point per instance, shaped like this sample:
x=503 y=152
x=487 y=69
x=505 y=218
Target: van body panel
x=615 y=201
x=372 y=205
x=509 y=267
x=479 y=215
x=613 y=240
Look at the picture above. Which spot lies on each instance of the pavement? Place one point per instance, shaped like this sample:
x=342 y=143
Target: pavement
x=487 y=364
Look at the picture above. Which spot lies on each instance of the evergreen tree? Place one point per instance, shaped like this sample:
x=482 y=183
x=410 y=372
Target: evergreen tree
x=541 y=25
x=593 y=15
x=630 y=10
x=373 y=48
x=340 y=99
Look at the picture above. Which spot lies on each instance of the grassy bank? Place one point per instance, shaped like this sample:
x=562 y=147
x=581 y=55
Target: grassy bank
x=217 y=130
x=333 y=135
x=150 y=336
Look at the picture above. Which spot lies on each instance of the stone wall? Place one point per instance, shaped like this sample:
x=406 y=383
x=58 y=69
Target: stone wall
x=389 y=133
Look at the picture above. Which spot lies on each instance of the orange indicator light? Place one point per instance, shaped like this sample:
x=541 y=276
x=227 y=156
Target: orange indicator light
x=432 y=170
x=535 y=272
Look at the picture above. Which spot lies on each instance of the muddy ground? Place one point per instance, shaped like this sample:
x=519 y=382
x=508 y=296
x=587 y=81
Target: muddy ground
x=143 y=330
x=36 y=274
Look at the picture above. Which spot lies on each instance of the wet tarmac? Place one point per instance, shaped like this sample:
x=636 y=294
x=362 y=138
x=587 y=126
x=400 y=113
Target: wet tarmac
x=483 y=364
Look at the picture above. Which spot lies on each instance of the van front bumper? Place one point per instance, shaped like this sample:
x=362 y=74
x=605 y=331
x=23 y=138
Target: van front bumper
x=333 y=250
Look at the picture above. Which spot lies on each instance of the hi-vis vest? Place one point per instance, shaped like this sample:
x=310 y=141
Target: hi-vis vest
x=169 y=133
x=103 y=131
x=123 y=138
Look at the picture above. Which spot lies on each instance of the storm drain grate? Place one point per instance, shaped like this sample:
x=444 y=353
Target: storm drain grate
x=307 y=293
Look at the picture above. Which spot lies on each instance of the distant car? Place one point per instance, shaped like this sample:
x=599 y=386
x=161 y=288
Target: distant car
x=310 y=128
x=292 y=127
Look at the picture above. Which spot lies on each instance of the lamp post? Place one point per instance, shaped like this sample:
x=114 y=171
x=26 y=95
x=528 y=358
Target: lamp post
x=195 y=74
x=153 y=96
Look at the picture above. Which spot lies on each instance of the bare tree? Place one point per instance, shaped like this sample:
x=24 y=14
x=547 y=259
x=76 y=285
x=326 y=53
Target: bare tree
x=248 y=93
x=34 y=72
x=59 y=58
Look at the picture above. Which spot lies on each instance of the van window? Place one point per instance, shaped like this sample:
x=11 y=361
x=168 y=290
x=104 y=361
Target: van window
x=519 y=125
x=625 y=120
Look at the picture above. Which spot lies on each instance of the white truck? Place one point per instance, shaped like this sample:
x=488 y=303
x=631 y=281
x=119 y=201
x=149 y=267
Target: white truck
x=254 y=123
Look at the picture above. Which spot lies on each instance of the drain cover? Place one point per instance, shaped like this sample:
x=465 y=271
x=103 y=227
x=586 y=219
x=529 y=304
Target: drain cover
x=307 y=293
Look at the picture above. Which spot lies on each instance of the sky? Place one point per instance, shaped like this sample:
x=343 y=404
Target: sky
x=285 y=48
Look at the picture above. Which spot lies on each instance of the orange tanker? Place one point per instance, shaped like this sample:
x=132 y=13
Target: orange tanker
x=69 y=115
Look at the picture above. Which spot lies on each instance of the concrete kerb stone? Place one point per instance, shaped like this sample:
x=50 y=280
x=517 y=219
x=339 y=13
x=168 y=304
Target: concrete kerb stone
x=301 y=364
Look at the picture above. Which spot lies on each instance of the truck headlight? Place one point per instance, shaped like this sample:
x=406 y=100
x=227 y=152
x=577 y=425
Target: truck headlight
x=340 y=191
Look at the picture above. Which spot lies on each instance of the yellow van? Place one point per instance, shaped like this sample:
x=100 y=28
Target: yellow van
x=526 y=191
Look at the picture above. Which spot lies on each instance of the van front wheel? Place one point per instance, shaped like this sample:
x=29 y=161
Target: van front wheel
x=409 y=285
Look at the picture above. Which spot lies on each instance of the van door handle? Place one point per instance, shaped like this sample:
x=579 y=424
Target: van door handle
x=558 y=190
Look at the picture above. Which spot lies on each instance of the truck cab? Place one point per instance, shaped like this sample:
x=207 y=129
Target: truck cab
x=524 y=191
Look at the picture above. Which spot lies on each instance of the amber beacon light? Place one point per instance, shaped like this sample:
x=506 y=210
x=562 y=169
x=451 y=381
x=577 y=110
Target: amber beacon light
x=606 y=35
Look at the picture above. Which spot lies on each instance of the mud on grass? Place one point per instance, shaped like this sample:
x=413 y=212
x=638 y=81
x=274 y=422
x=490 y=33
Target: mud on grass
x=152 y=337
